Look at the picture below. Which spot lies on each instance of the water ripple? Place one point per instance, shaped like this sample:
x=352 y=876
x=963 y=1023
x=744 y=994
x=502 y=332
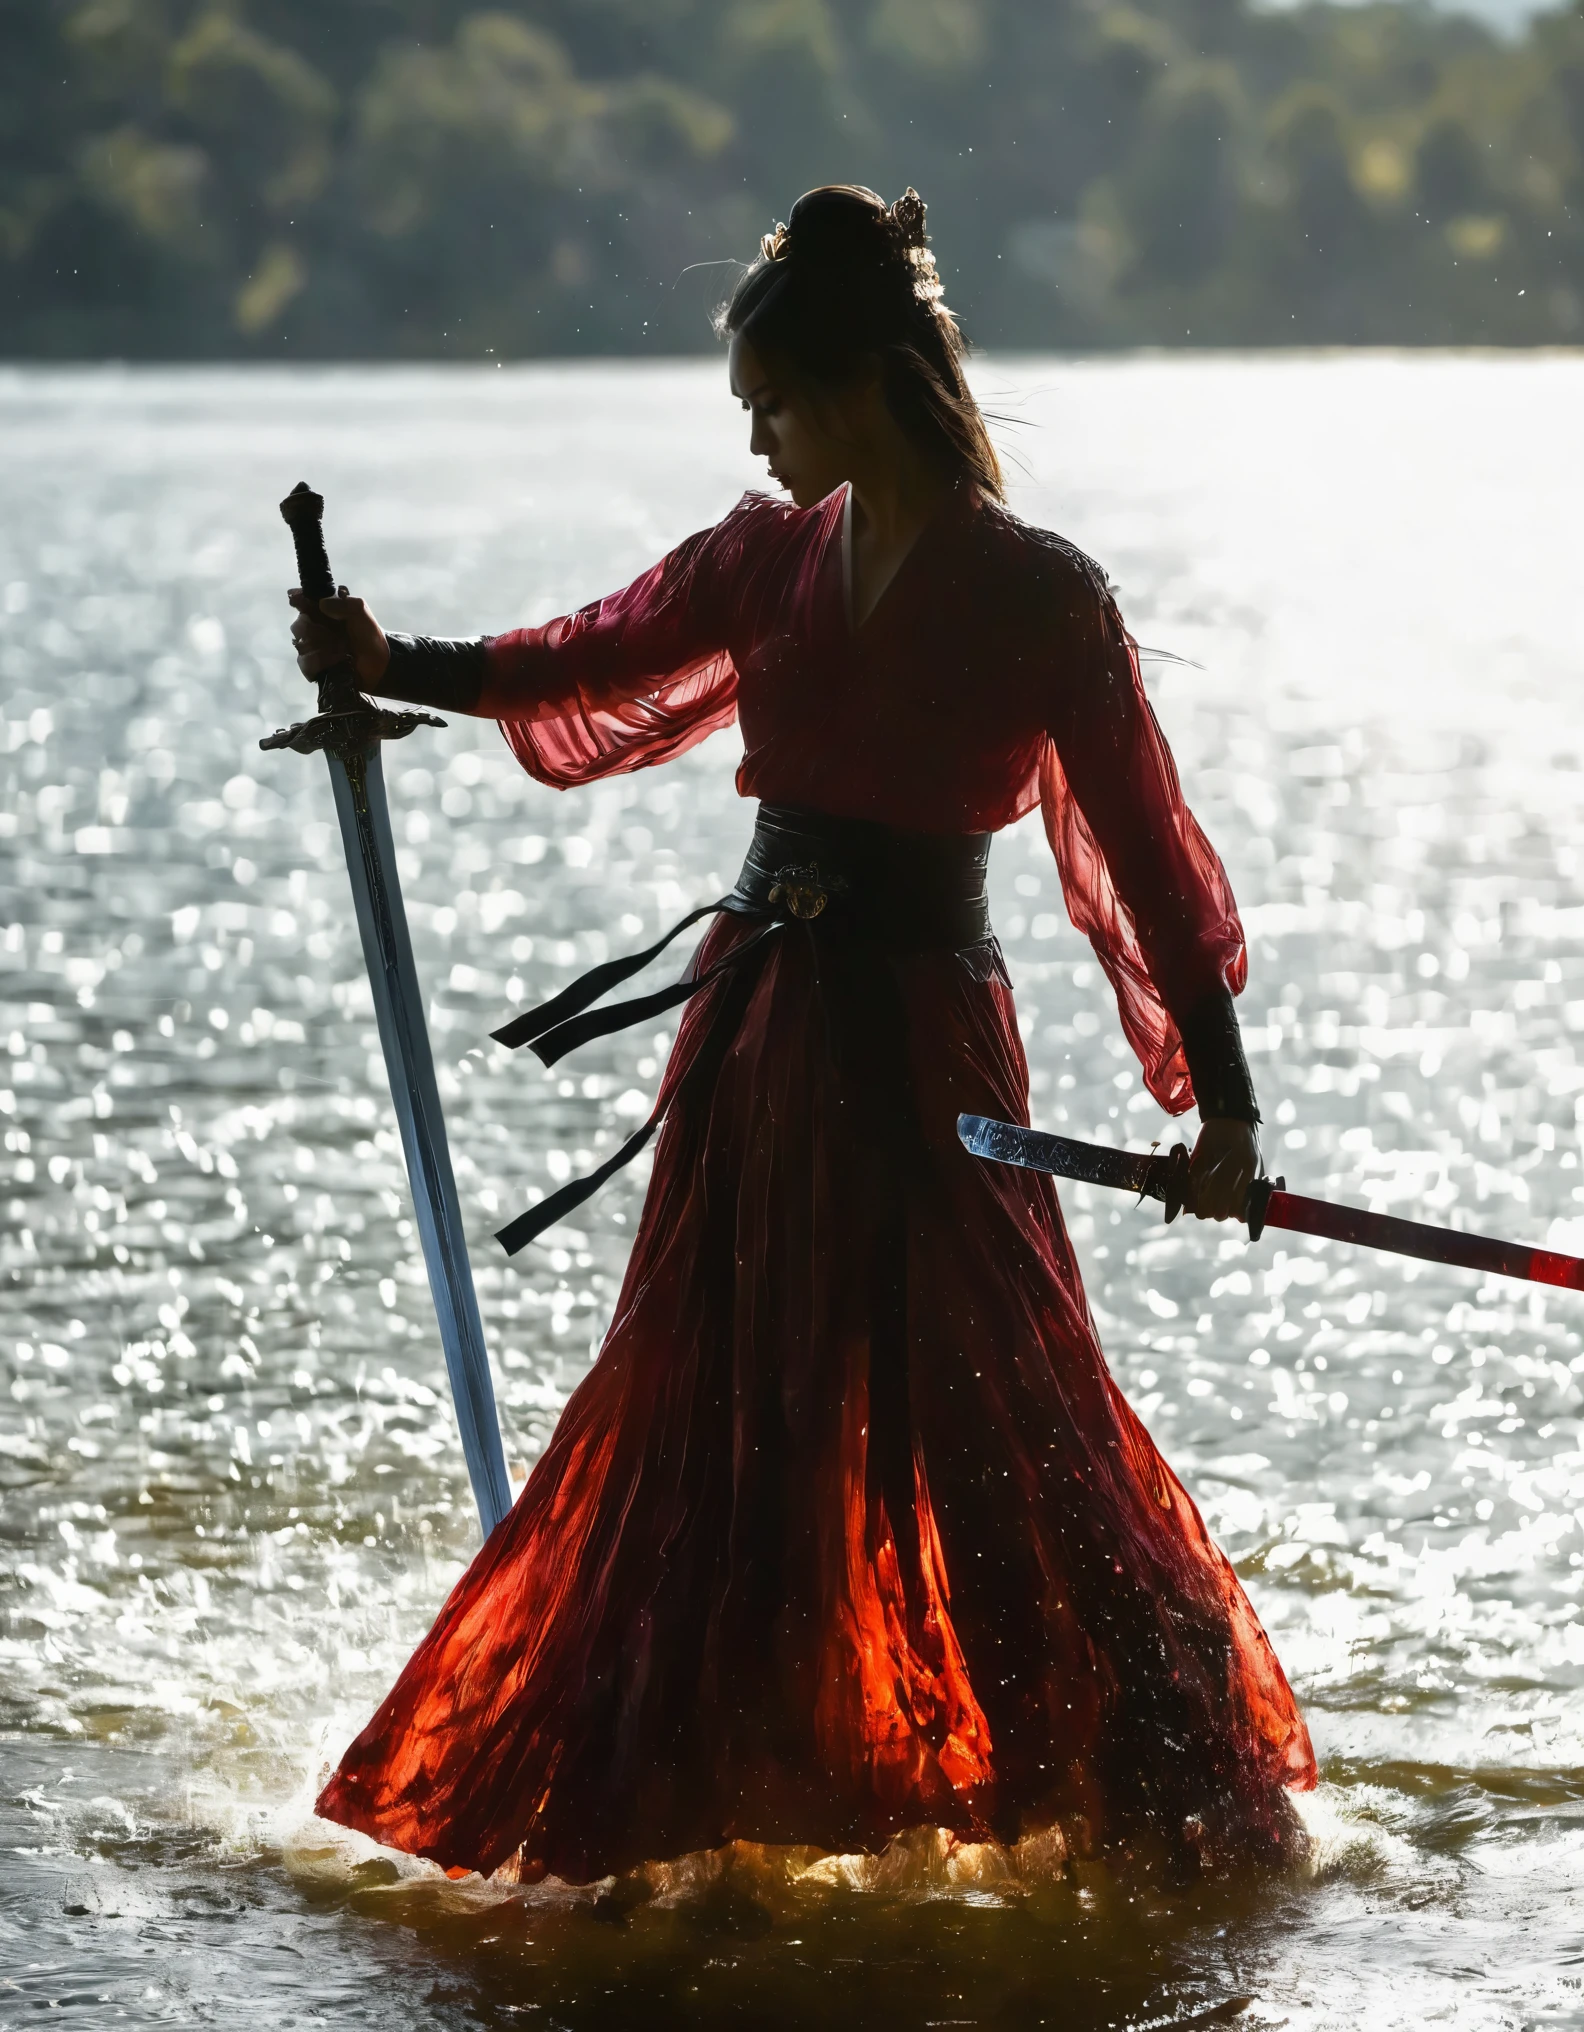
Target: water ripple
x=233 y=1492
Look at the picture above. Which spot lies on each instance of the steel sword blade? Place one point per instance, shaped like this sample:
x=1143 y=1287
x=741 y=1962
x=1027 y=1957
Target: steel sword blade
x=1270 y=1204
x=1089 y=1163
x=349 y=729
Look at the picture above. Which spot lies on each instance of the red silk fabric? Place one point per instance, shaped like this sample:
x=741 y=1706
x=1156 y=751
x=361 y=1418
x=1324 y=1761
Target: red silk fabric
x=995 y=673
x=849 y=1528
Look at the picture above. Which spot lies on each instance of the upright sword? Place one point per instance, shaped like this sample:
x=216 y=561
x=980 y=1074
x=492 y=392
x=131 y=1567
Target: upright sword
x=348 y=729
x=1269 y=1205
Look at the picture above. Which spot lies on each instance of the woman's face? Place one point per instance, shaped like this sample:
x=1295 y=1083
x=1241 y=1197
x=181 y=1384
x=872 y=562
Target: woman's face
x=810 y=445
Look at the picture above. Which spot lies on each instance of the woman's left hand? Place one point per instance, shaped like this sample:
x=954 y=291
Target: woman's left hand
x=1226 y=1162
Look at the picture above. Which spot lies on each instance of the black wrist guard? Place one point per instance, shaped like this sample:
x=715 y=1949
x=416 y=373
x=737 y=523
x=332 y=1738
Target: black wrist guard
x=435 y=670
x=1213 y=1046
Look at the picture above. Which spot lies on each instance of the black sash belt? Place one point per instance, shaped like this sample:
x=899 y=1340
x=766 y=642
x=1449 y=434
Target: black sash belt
x=844 y=878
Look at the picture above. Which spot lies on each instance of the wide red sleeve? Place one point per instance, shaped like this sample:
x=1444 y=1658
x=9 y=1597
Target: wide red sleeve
x=634 y=678
x=1140 y=879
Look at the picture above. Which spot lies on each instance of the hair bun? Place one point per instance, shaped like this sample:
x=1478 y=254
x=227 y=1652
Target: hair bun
x=847 y=227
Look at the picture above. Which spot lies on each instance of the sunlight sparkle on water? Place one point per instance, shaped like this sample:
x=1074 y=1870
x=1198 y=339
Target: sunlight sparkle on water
x=234 y=1492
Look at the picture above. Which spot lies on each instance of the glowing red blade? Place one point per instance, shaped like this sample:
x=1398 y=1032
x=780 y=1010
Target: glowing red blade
x=1302 y=1216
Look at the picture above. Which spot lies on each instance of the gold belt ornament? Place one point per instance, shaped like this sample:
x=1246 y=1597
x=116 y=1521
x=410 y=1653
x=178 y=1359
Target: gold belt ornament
x=803 y=891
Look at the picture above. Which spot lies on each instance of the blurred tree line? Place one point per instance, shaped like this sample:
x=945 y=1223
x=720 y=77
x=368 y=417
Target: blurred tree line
x=421 y=178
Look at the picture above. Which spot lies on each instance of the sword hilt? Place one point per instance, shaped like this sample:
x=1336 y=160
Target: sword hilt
x=346 y=721
x=1170 y=1181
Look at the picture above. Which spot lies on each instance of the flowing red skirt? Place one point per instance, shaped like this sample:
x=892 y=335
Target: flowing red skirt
x=848 y=1529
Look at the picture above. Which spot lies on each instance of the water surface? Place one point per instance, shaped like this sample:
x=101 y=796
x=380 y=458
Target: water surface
x=233 y=1494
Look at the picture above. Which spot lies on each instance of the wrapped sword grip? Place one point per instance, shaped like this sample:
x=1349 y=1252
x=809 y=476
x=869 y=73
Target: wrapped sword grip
x=303 y=513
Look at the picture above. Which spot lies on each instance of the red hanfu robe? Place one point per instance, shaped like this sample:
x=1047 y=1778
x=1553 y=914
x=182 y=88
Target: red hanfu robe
x=709 y=1615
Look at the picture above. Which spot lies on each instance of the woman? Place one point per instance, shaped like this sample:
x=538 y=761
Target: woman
x=849 y=1529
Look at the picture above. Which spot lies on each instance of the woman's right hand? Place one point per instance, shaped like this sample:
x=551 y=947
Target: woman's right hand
x=338 y=630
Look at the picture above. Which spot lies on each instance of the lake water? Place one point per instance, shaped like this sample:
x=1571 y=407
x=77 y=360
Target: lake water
x=233 y=1494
